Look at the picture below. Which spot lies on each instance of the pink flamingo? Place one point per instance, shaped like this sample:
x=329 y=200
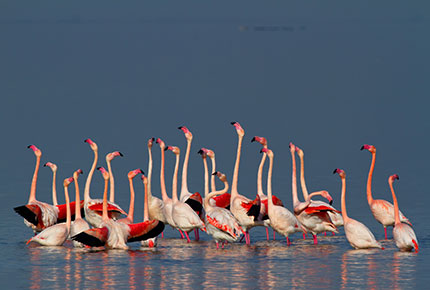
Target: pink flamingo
x=79 y=224
x=246 y=211
x=94 y=207
x=382 y=210
x=357 y=234
x=109 y=158
x=403 y=234
x=132 y=174
x=57 y=234
x=281 y=219
x=313 y=219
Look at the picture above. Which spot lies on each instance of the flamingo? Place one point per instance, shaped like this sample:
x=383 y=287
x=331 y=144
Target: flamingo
x=94 y=207
x=357 y=234
x=335 y=216
x=151 y=242
x=220 y=222
x=54 y=175
x=382 y=210
x=79 y=224
x=113 y=234
x=184 y=217
x=109 y=158
x=403 y=234
x=222 y=200
x=264 y=201
x=132 y=174
x=246 y=211
x=313 y=219
x=281 y=219
x=57 y=234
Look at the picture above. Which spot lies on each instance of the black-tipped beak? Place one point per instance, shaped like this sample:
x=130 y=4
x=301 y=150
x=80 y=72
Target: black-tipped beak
x=156 y=141
x=232 y=123
x=141 y=171
x=334 y=171
x=253 y=139
x=261 y=150
x=86 y=141
x=362 y=147
x=166 y=148
x=120 y=154
x=28 y=146
x=81 y=171
x=330 y=202
x=153 y=139
x=397 y=177
x=200 y=152
x=44 y=165
x=215 y=173
x=98 y=168
x=180 y=127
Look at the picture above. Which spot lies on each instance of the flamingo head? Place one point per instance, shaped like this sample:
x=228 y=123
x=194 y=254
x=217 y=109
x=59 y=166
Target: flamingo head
x=76 y=173
x=209 y=153
x=174 y=149
x=268 y=152
x=187 y=132
x=92 y=144
x=299 y=152
x=340 y=172
x=326 y=195
x=261 y=140
x=132 y=174
x=239 y=128
x=150 y=142
x=111 y=156
x=51 y=165
x=292 y=147
x=36 y=150
x=144 y=179
x=202 y=153
x=161 y=143
x=67 y=181
x=392 y=178
x=104 y=172
x=220 y=175
x=370 y=148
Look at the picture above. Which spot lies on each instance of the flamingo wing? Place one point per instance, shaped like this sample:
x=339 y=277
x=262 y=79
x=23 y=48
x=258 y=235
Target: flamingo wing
x=144 y=230
x=221 y=226
x=223 y=200
x=96 y=237
x=31 y=212
x=320 y=208
x=98 y=207
x=62 y=211
x=252 y=207
x=195 y=202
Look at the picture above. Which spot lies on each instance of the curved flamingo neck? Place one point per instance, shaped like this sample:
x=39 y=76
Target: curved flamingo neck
x=344 y=213
x=131 y=207
x=269 y=183
x=234 y=192
x=396 y=204
x=90 y=176
x=77 y=200
x=146 y=201
x=175 y=180
x=68 y=212
x=112 y=181
x=302 y=178
x=213 y=186
x=184 y=184
x=369 y=179
x=54 y=188
x=149 y=172
x=213 y=194
x=32 y=197
x=294 y=181
x=205 y=165
x=105 y=216
x=162 y=180
x=260 y=176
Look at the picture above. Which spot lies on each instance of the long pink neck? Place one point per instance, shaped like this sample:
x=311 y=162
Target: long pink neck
x=77 y=200
x=396 y=204
x=369 y=179
x=54 y=188
x=146 y=205
x=302 y=178
x=131 y=208
x=105 y=216
x=294 y=180
x=260 y=176
x=184 y=184
x=213 y=194
x=344 y=214
x=112 y=182
x=175 y=180
x=149 y=172
x=68 y=212
x=213 y=186
x=162 y=180
x=205 y=166
x=87 y=197
x=32 y=197
x=269 y=183
x=234 y=191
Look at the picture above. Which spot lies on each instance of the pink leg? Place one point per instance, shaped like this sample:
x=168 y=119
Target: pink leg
x=162 y=235
x=325 y=234
x=222 y=245
x=274 y=235
x=385 y=230
x=217 y=246
x=288 y=242
x=188 y=238
x=249 y=239
x=182 y=235
x=196 y=234
x=267 y=233
x=304 y=236
x=333 y=233
x=315 y=239
x=241 y=239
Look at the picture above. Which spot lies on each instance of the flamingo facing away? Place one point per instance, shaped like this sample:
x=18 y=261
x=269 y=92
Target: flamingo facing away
x=220 y=222
x=314 y=220
x=335 y=216
x=57 y=234
x=109 y=158
x=357 y=234
x=132 y=174
x=54 y=179
x=184 y=217
x=79 y=224
x=94 y=207
x=246 y=211
x=382 y=210
x=113 y=234
x=281 y=219
x=222 y=200
x=151 y=242
x=403 y=234
x=264 y=201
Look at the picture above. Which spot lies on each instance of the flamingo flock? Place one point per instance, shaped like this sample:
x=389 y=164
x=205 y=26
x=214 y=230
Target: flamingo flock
x=226 y=217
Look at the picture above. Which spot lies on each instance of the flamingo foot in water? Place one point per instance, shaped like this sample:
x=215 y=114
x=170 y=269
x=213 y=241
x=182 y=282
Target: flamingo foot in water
x=188 y=238
x=288 y=242
x=315 y=239
x=304 y=236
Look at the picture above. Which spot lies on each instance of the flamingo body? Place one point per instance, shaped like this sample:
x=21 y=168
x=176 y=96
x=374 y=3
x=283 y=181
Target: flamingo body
x=78 y=225
x=55 y=235
x=222 y=200
x=358 y=235
x=405 y=237
x=383 y=211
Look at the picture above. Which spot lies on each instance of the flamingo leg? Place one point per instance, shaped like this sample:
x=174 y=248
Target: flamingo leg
x=182 y=235
x=196 y=234
x=223 y=245
x=162 y=235
x=325 y=234
x=249 y=238
x=267 y=233
x=385 y=230
x=304 y=236
x=315 y=239
x=274 y=235
x=241 y=239
x=217 y=246
x=288 y=242
x=188 y=238
x=333 y=233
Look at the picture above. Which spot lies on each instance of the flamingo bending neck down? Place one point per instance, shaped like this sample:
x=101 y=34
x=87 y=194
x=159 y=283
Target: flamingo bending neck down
x=382 y=210
x=357 y=234
x=109 y=158
x=281 y=219
x=246 y=211
x=94 y=207
x=313 y=219
x=403 y=234
x=132 y=174
x=79 y=224
x=184 y=217
x=220 y=222
x=57 y=234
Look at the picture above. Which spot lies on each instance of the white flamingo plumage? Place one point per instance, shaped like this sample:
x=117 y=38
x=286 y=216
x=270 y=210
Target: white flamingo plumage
x=79 y=224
